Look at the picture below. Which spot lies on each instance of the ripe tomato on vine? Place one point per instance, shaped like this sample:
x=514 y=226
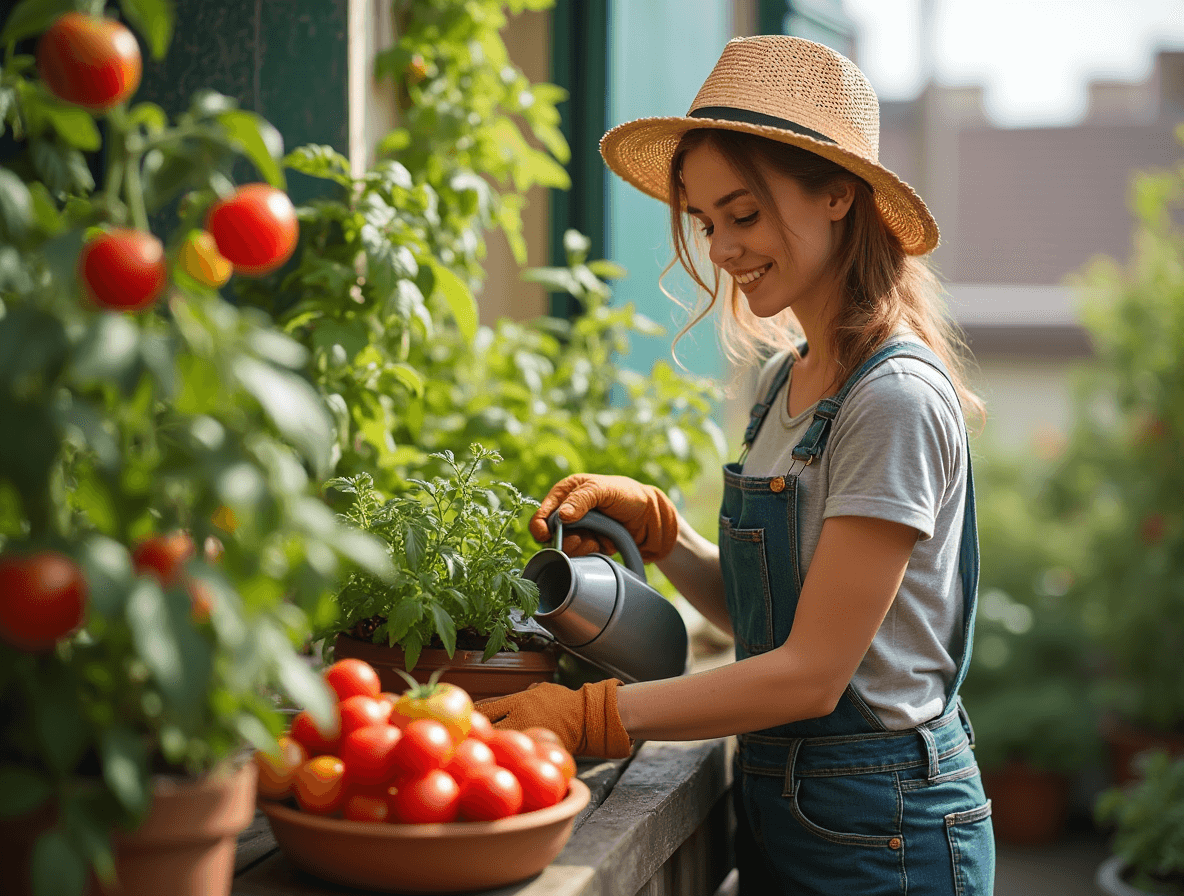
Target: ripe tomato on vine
x=123 y=269
x=42 y=599
x=255 y=229
x=89 y=61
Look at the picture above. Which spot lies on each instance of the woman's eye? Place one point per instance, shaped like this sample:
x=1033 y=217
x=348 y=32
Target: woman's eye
x=748 y=219
x=708 y=229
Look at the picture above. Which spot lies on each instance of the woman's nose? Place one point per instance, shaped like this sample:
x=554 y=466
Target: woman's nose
x=723 y=249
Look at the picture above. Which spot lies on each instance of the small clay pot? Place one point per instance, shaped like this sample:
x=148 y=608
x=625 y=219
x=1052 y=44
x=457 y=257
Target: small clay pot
x=1125 y=741
x=506 y=672
x=1028 y=805
x=185 y=847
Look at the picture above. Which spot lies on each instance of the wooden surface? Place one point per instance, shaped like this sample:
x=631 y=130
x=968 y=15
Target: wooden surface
x=656 y=824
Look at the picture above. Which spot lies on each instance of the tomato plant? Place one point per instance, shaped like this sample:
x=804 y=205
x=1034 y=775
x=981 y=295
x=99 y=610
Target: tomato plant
x=277 y=772
x=371 y=755
x=319 y=785
x=123 y=269
x=164 y=556
x=312 y=738
x=426 y=745
x=352 y=676
x=360 y=711
x=255 y=229
x=542 y=783
x=448 y=704
x=200 y=259
x=492 y=793
x=89 y=61
x=430 y=798
x=42 y=598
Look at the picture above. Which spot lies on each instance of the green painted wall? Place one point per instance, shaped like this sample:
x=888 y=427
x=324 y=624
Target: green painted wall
x=285 y=59
x=660 y=52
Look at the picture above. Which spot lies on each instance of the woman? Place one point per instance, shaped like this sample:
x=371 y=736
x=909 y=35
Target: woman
x=847 y=560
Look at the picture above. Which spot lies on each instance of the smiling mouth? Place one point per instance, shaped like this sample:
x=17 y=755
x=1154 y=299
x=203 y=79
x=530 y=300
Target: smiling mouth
x=751 y=276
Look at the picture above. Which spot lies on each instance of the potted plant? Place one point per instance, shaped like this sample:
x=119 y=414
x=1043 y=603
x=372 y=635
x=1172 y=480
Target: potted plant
x=1147 y=815
x=1029 y=689
x=457 y=593
x=160 y=537
x=1123 y=471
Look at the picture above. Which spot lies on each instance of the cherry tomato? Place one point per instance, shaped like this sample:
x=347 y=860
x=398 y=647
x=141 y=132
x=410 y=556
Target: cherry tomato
x=255 y=229
x=201 y=601
x=315 y=741
x=278 y=772
x=123 y=269
x=542 y=735
x=89 y=61
x=396 y=718
x=426 y=745
x=446 y=703
x=371 y=755
x=164 y=556
x=558 y=757
x=367 y=806
x=42 y=599
x=542 y=784
x=511 y=748
x=360 y=711
x=352 y=676
x=319 y=785
x=492 y=793
x=471 y=755
x=200 y=259
x=430 y=798
x=482 y=728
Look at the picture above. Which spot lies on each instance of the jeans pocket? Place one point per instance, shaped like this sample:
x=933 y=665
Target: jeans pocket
x=746 y=586
x=972 y=850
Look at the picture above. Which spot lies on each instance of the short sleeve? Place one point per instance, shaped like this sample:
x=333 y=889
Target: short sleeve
x=897 y=447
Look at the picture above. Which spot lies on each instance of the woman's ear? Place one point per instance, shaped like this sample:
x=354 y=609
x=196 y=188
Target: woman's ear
x=839 y=199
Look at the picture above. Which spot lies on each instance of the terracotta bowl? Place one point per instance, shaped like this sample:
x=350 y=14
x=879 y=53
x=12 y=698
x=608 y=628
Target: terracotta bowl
x=426 y=858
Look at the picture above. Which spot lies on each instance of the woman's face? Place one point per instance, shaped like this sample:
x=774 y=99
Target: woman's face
x=773 y=272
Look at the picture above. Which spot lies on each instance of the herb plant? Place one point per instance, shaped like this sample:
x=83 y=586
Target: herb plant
x=457 y=568
x=1148 y=819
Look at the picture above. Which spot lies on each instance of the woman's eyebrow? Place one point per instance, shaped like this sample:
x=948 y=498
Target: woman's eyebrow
x=721 y=202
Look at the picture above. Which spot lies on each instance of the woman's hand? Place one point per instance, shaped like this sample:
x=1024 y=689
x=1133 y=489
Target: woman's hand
x=645 y=512
x=586 y=720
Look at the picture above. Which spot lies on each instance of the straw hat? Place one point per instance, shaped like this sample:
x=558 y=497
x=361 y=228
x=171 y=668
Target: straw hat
x=791 y=90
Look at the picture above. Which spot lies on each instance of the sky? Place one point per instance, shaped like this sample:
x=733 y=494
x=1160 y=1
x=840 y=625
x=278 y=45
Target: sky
x=1033 y=58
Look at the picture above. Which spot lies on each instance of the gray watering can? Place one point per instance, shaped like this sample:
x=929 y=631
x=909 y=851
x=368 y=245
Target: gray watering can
x=604 y=613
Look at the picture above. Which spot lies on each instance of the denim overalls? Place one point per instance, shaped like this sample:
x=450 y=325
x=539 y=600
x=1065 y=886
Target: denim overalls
x=838 y=804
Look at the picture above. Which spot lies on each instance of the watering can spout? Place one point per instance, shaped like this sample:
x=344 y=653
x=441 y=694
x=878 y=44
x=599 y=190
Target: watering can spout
x=605 y=613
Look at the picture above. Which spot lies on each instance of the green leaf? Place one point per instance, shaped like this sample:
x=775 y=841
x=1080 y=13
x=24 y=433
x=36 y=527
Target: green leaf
x=294 y=406
x=32 y=17
x=58 y=869
x=172 y=649
x=246 y=130
x=62 y=168
x=21 y=790
x=409 y=377
x=125 y=768
x=576 y=245
x=61 y=731
x=460 y=301
x=607 y=270
x=413 y=545
x=16 y=206
x=107 y=566
x=297 y=679
x=445 y=628
x=154 y=19
x=74 y=125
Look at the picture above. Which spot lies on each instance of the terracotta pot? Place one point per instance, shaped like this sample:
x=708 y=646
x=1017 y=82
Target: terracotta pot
x=185 y=847
x=1125 y=741
x=1028 y=805
x=506 y=672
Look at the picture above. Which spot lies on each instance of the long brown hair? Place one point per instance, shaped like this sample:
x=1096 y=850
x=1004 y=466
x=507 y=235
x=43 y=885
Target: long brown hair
x=884 y=289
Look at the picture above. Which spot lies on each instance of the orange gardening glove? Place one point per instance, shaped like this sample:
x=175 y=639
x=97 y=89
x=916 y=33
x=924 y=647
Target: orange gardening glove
x=585 y=720
x=645 y=511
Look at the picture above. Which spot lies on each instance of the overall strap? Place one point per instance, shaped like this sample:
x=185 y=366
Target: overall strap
x=760 y=410
x=813 y=443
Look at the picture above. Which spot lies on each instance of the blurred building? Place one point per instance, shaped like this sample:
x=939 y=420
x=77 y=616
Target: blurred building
x=1023 y=209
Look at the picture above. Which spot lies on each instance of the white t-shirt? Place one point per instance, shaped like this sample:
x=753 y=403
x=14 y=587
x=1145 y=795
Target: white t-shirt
x=897 y=451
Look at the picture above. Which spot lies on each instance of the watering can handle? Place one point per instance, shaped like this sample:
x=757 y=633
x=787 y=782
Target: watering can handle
x=597 y=522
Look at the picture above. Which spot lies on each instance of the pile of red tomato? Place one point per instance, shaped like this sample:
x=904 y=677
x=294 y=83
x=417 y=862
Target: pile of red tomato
x=421 y=757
